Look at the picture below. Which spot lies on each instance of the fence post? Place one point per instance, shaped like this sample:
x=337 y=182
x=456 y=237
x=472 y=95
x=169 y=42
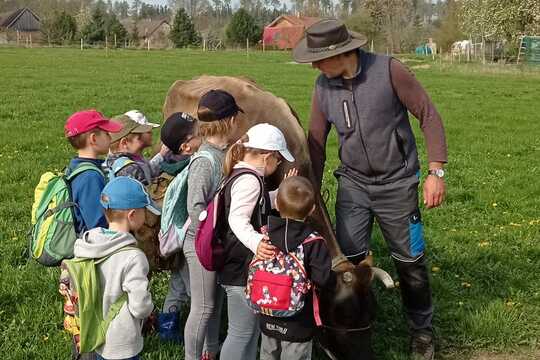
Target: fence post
x=82 y=46
x=115 y=40
x=30 y=40
x=148 y=44
x=263 y=44
x=247 y=46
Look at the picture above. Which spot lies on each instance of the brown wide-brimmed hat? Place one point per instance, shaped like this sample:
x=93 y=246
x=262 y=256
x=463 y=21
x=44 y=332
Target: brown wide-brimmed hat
x=327 y=38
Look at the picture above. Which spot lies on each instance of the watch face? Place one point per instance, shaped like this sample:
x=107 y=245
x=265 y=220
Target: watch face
x=439 y=173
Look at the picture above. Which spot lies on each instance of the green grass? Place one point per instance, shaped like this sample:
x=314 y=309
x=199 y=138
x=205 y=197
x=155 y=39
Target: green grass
x=486 y=234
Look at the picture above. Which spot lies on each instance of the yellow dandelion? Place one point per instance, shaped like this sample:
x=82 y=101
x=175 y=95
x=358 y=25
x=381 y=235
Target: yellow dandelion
x=494 y=204
x=466 y=284
x=514 y=224
x=483 y=243
x=435 y=269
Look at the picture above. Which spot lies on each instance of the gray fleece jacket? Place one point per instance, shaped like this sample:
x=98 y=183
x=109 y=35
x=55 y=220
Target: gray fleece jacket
x=125 y=271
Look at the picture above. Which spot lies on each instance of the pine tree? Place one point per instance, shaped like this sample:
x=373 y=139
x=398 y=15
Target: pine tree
x=63 y=29
x=242 y=27
x=183 y=31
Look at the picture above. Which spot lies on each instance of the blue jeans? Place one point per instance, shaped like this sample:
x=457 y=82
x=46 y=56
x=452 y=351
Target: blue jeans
x=136 y=357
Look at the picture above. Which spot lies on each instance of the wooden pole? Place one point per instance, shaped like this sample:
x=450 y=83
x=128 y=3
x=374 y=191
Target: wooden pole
x=247 y=46
x=204 y=44
x=264 y=46
x=82 y=45
x=106 y=46
x=371 y=48
x=18 y=37
x=30 y=39
x=115 y=40
x=519 y=49
x=148 y=44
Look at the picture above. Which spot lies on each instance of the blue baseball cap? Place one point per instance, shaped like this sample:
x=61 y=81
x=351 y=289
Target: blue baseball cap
x=124 y=193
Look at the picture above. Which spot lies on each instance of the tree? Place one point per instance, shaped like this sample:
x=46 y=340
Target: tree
x=134 y=36
x=183 y=31
x=95 y=31
x=113 y=28
x=449 y=31
x=63 y=29
x=242 y=27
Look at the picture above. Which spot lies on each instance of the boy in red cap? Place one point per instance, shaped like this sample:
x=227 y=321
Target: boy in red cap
x=88 y=132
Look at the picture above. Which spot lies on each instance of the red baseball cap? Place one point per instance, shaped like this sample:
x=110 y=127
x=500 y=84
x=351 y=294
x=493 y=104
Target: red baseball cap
x=86 y=120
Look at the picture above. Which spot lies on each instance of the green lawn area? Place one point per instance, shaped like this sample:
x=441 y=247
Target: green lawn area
x=483 y=242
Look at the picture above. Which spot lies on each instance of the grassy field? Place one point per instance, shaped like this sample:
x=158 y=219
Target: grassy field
x=483 y=242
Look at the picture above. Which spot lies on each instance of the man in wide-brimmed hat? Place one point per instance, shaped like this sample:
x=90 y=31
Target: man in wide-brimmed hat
x=367 y=97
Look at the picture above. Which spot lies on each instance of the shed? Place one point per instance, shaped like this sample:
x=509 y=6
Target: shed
x=154 y=30
x=530 y=48
x=20 y=25
x=287 y=30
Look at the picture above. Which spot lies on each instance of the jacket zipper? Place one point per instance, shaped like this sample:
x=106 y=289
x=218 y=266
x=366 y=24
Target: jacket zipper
x=360 y=132
x=346 y=112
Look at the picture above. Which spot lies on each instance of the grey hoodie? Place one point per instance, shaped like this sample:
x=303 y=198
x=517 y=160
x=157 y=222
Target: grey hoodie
x=125 y=271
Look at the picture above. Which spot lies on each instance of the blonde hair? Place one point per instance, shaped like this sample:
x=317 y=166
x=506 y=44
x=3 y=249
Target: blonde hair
x=237 y=152
x=209 y=126
x=295 y=198
x=130 y=137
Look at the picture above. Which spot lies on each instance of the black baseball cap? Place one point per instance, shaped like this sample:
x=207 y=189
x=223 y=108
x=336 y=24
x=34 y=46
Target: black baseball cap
x=221 y=104
x=176 y=130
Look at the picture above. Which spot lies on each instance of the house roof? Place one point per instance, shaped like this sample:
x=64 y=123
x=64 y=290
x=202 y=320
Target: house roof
x=9 y=19
x=145 y=27
x=305 y=21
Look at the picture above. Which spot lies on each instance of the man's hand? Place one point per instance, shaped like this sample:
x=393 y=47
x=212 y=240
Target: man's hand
x=434 y=191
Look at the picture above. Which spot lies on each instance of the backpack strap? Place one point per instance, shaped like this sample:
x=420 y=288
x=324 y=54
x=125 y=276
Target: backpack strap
x=243 y=171
x=82 y=167
x=316 y=313
x=125 y=248
x=216 y=166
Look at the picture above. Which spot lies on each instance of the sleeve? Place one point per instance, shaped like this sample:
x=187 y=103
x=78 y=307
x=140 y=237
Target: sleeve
x=319 y=128
x=133 y=170
x=200 y=189
x=245 y=192
x=86 y=189
x=155 y=164
x=416 y=100
x=320 y=264
x=135 y=284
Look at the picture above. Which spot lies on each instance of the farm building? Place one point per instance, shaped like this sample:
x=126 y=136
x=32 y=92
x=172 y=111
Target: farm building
x=287 y=30
x=153 y=30
x=21 y=26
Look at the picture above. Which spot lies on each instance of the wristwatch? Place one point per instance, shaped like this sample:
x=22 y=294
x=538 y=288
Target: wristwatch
x=437 y=172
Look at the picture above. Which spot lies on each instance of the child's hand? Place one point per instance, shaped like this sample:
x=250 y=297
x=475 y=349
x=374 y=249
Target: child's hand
x=265 y=251
x=291 y=172
x=164 y=150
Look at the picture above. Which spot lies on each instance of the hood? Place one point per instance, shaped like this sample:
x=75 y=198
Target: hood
x=173 y=165
x=112 y=157
x=100 y=242
x=287 y=234
x=77 y=160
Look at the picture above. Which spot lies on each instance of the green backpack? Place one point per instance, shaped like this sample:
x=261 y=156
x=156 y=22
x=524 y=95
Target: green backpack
x=53 y=230
x=85 y=286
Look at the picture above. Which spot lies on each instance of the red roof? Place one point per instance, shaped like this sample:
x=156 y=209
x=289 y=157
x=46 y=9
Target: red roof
x=305 y=21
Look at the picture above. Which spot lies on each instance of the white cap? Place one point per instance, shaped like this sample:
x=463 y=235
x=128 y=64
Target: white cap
x=139 y=117
x=268 y=137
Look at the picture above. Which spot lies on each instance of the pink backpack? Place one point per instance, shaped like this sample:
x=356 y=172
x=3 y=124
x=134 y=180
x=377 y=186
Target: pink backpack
x=208 y=245
x=278 y=287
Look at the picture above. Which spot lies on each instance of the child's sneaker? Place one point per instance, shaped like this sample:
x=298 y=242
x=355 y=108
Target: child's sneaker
x=422 y=347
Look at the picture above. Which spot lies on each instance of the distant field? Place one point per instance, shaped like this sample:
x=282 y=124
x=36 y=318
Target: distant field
x=484 y=242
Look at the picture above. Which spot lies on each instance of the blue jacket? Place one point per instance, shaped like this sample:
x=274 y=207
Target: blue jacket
x=86 y=191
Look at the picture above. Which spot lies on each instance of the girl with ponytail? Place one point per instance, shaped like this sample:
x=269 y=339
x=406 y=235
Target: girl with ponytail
x=247 y=206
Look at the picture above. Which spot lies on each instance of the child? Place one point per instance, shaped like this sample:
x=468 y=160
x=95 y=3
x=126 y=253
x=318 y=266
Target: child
x=247 y=206
x=88 y=132
x=124 y=271
x=126 y=147
x=146 y=138
x=177 y=135
x=290 y=337
x=216 y=113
